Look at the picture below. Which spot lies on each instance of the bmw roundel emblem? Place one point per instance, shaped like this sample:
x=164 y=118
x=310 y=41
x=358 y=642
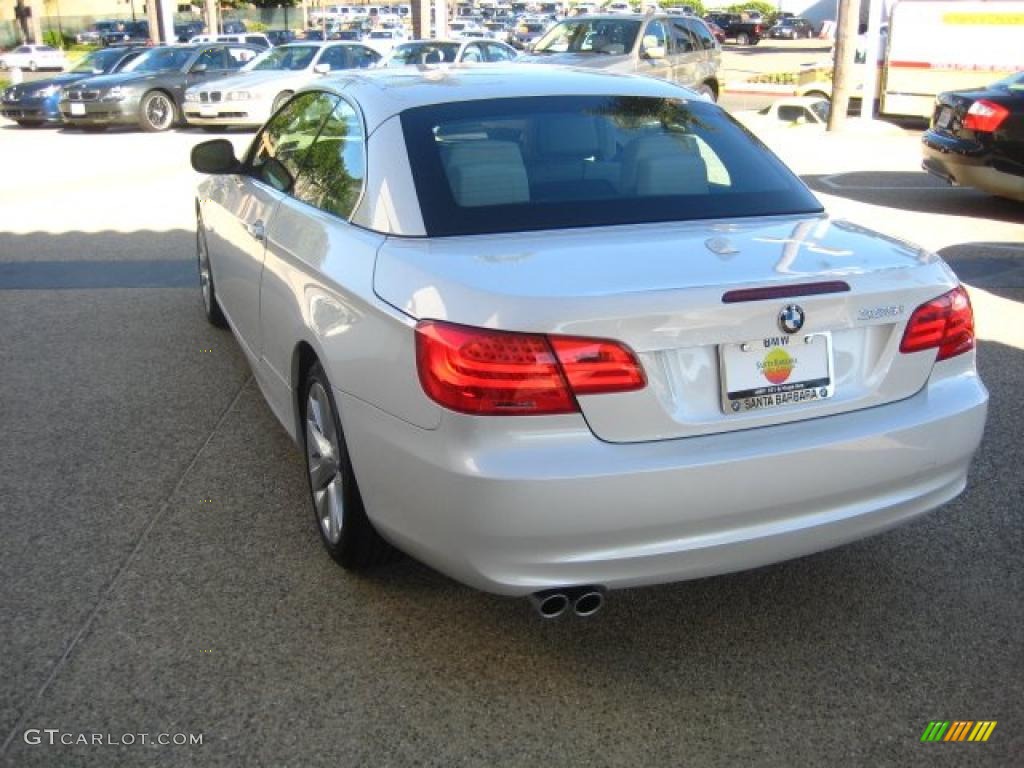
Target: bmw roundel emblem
x=791 y=318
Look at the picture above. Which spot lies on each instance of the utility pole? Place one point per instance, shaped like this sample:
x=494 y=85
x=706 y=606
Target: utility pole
x=867 y=102
x=843 y=66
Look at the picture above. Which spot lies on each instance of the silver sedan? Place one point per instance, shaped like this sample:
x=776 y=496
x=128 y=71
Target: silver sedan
x=556 y=344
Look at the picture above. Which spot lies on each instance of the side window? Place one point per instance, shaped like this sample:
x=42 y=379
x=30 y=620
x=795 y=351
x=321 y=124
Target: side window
x=361 y=57
x=656 y=36
x=334 y=168
x=499 y=53
x=701 y=31
x=334 y=57
x=280 y=147
x=237 y=57
x=684 y=38
x=24 y=49
x=213 y=58
x=472 y=53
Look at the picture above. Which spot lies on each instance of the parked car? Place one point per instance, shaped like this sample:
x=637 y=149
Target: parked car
x=793 y=28
x=127 y=33
x=256 y=39
x=383 y=40
x=280 y=36
x=149 y=91
x=523 y=35
x=716 y=31
x=188 y=30
x=977 y=138
x=735 y=27
x=34 y=103
x=555 y=332
x=251 y=96
x=315 y=35
x=93 y=34
x=678 y=48
x=425 y=52
x=233 y=27
x=33 y=57
x=789 y=112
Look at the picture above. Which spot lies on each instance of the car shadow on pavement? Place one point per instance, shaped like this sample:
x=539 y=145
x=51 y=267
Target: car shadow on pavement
x=995 y=267
x=915 y=191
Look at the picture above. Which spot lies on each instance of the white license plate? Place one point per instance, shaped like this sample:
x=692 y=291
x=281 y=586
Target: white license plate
x=945 y=118
x=207 y=111
x=776 y=372
x=77 y=109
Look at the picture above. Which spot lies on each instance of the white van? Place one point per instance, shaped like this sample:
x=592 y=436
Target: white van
x=948 y=45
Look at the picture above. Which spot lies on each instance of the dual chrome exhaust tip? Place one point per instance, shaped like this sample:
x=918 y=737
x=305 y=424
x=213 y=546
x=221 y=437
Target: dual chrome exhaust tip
x=552 y=603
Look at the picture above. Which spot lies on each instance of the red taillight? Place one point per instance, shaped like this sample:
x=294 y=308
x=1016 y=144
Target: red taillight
x=985 y=116
x=946 y=323
x=495 y=373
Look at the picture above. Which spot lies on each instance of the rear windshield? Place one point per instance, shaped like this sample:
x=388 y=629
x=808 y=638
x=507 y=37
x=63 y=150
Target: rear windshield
x=553 y=162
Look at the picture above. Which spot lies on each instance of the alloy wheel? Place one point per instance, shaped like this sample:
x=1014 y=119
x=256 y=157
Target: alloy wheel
x=323 y=463
x=159 y=111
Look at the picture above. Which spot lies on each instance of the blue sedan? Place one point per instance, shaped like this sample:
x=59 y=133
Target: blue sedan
x=32 y=104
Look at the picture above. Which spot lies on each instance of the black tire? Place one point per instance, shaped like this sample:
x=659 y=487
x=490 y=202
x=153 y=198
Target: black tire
x=279 y=100
x=157 y=112
x=29 y=123
x=742 y=38
x=358 y=545
x=211 y=307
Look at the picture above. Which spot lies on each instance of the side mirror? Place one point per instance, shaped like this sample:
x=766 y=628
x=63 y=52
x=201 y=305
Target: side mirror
x=215 y=157
x=198 y=69
x=322 y=69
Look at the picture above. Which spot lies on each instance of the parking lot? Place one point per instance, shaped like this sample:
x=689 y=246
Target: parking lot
x=162 y=573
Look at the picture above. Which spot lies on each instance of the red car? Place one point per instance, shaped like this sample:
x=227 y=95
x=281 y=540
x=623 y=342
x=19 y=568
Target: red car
x=716 y=30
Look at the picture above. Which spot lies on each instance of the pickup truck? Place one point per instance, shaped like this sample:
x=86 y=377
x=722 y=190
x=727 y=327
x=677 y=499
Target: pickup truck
x=736 y=28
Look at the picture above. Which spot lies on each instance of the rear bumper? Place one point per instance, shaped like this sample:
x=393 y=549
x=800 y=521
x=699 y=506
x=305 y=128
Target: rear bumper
x=513 y=508
x=969 y=165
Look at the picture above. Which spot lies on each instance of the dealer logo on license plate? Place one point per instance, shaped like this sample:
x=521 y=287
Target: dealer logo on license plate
x=775 y=372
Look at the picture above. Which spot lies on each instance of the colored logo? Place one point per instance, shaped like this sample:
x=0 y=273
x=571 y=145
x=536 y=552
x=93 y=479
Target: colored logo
x=777 y=365
x=958 y=730
x=791 y=318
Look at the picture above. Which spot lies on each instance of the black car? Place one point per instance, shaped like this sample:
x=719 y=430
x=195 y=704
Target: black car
x=150 y=91
x=792 y=28
x=127 y=33
x=33 y=103
x=977 y=138
x=735 y=27
x=280 y=36
x=187 y=30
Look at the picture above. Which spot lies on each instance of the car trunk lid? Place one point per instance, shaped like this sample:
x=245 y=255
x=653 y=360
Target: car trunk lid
x=662 y=290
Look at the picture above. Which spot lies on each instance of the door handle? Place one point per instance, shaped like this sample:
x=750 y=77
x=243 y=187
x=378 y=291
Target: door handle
x=258 y=231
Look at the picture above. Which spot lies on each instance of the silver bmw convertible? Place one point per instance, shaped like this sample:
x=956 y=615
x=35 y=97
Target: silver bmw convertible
x=557 y=332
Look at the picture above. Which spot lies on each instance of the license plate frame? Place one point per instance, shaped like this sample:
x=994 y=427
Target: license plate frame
x=77 y=109
x=206 y=111
x=744 y=369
